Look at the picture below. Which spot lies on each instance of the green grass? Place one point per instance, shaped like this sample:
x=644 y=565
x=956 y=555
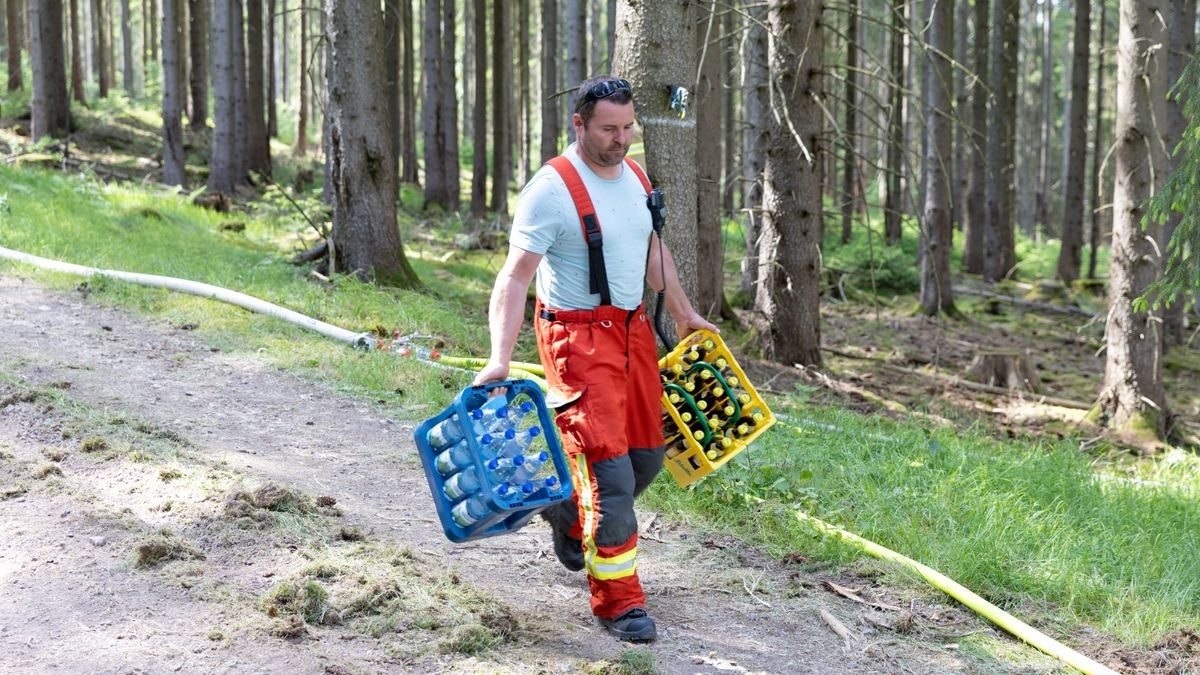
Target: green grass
x=1030 y=526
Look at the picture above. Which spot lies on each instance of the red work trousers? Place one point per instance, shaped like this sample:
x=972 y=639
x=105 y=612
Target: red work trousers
x=612 y=435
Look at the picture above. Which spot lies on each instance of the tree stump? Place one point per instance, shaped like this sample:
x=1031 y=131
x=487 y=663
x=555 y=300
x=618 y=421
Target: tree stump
x=1006 y=369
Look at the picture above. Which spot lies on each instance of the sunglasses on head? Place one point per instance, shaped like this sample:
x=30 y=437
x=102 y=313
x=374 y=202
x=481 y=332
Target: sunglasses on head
x=604 y=89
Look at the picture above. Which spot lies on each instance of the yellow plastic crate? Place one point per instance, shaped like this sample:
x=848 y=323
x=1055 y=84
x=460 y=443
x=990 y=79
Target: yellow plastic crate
x=732 y=414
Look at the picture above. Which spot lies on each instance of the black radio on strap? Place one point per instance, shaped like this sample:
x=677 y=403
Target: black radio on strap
x=597 y=273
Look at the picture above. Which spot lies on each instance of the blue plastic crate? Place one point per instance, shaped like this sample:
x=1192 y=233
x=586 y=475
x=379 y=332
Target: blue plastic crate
x=504 y=517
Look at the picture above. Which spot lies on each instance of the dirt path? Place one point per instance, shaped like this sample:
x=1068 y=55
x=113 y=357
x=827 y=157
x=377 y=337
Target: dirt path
x=72 y=599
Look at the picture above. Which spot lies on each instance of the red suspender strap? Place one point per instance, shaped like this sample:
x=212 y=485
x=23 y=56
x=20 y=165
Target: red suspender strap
x=589 y=223
x=637 y=171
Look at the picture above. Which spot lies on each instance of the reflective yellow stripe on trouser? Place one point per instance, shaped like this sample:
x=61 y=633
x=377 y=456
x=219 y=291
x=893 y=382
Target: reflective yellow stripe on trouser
x=599 y=567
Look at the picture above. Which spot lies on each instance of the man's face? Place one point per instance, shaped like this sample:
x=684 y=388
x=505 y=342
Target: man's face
x=606 y=137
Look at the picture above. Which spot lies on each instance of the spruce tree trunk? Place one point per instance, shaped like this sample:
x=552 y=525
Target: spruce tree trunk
x=577 y=68
x=13 y=15
x=77 y=92
x=731 y=141
x=502 y=77
x=285 y=83
x=100 y=60
x=999 y=254
x=408 y=105
x=1181 y=25
x=755 y=104
x=272 y=113
x=710 y=292
x=436 y=190
x=1041 y=217
x=49 y=109
x=894 y=199
x=301 y=146
x=127 y=51
x=221 y=169
x=479 y=167
x=241 y=127
x=789 y=255
x=468 y=69
x=391 y=78
x=593 y=31
x=850 y=129
x=1069 y=256
x=937 y=231
x=172 y=103
x=198 y=80
x=1098 y=109
x=524 y=135
x=361 y=166
x=153 y=30
x=258 y=154
x=653 y=56
x=551 y=118
x=449 y=110
x=1132 y=397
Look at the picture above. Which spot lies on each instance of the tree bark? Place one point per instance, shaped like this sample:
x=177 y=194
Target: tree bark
x=1041 y=216
x=258 y=152
x=650 y=58
x=49 y=109
x=449 y=109
x=301 y=147
x=272 y=113
x=198 y=80
x=13 y=14
x=962 y=116
x=479 y=167
x=285 y=38
x=594 y=10
x=127 y=51
x=1181 y=26
x=153 y=30
x=937 y=232
x=577 y=69
x=391 y=78
x=241 y=128
x=1132 y=397
x=436 y=190
x=408 y=106
x=849 y=197
x=468 y=69
x=710 y=277
x=362 y=171
x=755 y=102
x=502 y=77
x=1069 y=256
x=172 y=103
x=221 y=177
x=100 y=24
x=77 y=92
x=789 y=255
x=1097 y=134
x=893 y=200
x=999 y=254
x=524 y=135
x=731 y=140
x=551 y=118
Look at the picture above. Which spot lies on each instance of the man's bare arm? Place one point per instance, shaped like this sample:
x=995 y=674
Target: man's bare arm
x=506 y=311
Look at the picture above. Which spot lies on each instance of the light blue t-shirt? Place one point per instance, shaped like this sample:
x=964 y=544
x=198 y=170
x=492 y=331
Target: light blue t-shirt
x=546 y=222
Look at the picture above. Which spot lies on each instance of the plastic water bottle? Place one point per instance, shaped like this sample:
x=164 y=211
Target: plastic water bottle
x=496 y=416
x=528 y=467
x=502 y=468
x=526 y=490
x=517 y=444
x=476 y=508
x=445 y=433
x=462 y=484
x=458 y=456
x=553 y=487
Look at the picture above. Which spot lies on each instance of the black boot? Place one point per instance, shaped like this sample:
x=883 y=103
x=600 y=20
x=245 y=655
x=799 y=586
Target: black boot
x=568 y=550
x=632 y=626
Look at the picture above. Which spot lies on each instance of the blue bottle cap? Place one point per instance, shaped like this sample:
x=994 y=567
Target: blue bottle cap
x=502 y=489
x=551 y=481
x=502 y=411
x=509 y=434
x=518 y=460
x=493 y=464
x=485 y=439
x=526 y=407
x=527 y=488
x=534 y=431
x=542 y=456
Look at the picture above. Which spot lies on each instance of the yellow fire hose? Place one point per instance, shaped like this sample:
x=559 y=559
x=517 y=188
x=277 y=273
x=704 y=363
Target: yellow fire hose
x=535 y=372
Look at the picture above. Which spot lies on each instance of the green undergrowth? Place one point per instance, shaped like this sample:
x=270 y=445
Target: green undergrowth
x=1031 y=526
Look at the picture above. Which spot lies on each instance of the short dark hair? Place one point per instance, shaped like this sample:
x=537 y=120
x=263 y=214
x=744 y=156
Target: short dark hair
x=586 y=98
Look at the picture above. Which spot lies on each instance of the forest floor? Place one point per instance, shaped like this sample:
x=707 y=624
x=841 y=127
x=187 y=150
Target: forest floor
x=140 y=538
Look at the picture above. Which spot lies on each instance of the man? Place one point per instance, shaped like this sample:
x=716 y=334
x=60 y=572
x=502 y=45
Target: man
x=595 y=341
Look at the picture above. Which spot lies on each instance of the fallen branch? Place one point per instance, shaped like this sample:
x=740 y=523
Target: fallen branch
x=837 y=627
x=851 y=594
x=1043 y=306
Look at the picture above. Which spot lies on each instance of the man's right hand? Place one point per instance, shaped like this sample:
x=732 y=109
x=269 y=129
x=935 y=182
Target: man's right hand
x=492 y=371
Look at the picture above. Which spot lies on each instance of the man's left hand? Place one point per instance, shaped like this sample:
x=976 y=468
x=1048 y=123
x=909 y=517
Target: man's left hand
x=685 y=325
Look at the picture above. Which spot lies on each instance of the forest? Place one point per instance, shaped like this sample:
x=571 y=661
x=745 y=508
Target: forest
x=958 y=238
